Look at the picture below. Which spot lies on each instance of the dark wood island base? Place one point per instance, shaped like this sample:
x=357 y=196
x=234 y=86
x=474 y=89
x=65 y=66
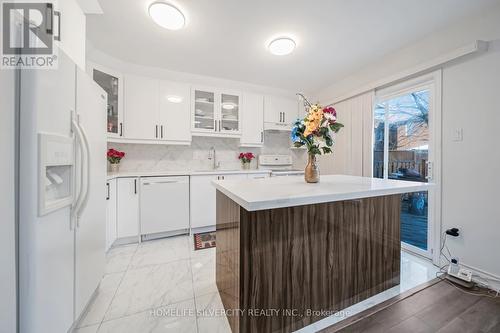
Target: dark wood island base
x=278 y=270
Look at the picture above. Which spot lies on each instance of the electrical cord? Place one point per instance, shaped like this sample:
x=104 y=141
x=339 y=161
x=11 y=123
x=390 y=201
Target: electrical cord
x=444 y=269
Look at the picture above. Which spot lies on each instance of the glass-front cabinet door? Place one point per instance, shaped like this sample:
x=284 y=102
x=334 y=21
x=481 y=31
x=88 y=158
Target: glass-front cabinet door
x=230 y=113
x=111 y=82
x=204 y=111
x=216 y=112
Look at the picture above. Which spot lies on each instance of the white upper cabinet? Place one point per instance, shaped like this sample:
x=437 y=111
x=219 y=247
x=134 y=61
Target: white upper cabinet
x=174 y=113
x=215 y=112
x=280 y=112
x=141 y=108
x=252 y=120
x=112 y=82
x=69 y=30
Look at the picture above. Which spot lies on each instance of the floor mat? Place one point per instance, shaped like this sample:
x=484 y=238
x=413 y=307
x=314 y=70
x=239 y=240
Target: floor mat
x=204 y=240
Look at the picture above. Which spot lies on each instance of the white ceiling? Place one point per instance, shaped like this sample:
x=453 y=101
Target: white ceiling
x=227 y=38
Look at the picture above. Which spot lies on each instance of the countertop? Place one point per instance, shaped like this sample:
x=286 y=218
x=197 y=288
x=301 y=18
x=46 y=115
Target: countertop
x=279 y=192
x=128 y=174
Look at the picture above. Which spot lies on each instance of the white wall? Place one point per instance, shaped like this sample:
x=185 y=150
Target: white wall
x=471 y=90
x=471 y=168
x=485 y=26
x=7 y=203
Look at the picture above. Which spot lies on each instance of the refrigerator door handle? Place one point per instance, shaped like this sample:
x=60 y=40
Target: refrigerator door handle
x=86 y=177
x=78 y=197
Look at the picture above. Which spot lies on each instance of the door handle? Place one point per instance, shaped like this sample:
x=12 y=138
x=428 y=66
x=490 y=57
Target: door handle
x=107 y=196
x=58 y=15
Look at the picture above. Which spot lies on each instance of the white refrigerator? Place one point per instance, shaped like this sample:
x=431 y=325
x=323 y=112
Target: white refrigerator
x=62 y=195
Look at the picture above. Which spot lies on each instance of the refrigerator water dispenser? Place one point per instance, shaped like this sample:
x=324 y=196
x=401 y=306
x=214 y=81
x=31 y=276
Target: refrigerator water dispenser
x=56 y=168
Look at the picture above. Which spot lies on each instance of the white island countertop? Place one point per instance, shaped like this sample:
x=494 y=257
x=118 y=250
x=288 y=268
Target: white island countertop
x=279 y=192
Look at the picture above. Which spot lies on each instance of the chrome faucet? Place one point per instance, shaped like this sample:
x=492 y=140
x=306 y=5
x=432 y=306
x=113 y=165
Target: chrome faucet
x=212 y=155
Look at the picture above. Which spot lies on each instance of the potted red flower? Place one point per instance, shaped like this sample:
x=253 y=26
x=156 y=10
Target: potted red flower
x=114 y=158
x=245 y=159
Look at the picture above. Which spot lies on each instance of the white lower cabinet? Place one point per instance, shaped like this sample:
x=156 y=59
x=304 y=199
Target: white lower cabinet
x=127 y=207
x=164 y=204
x=203 y=197
x=111 y=217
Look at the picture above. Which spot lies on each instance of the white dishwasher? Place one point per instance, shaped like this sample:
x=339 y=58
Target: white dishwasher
x=164 y=206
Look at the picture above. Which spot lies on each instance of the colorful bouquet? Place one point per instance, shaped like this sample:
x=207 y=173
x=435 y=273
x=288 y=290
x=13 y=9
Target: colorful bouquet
x=115 y=156
x=246 y=157
x=316 y=130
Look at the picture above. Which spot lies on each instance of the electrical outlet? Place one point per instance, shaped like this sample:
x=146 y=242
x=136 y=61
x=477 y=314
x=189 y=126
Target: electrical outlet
x=460 y=273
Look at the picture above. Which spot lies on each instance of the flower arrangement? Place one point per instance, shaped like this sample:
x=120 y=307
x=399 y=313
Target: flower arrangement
x=316 y=129
x=246 y=157
x=115 y=156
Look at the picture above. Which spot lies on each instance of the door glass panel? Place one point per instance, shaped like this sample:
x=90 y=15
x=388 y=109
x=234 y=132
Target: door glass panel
x=407 y=153
x=378 y=141
x=110 y=84
x=204 y=112
x=230 y=112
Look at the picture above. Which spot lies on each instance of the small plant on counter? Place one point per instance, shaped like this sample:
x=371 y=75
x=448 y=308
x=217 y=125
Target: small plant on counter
x=114 y=158
x=315 y=132
x=245 y=159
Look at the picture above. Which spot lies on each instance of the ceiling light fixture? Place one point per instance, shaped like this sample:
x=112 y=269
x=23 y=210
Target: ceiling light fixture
x=167 y=15
x=174 y=99
x=282 y=46
x=228 y=106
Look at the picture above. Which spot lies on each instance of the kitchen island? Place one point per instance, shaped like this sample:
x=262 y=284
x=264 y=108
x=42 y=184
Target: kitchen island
x=291 y=253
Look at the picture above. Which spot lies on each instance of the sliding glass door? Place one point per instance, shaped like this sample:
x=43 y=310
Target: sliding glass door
x=404 y=148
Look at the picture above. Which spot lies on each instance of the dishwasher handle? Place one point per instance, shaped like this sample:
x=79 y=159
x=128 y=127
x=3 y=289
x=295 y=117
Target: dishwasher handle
x=163 y=182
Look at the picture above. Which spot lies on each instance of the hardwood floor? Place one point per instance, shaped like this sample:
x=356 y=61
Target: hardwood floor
x=439 y=308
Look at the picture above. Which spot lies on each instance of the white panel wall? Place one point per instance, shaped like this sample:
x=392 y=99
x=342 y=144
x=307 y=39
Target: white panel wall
x=352 y=150
x=471 y=168
x=7 y=203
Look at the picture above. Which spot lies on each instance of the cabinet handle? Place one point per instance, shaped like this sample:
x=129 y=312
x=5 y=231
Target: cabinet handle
x=135 y=186
x=161 y=130
x=121 y=129
x=284 y=117
x=107 y=196
x=220 y=121
x=156 y=131
x=261 y=136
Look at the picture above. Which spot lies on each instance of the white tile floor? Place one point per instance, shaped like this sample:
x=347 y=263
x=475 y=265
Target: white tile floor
x=166 y=286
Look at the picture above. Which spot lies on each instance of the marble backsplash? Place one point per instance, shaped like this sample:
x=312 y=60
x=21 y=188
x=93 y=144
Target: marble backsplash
x=145 y=157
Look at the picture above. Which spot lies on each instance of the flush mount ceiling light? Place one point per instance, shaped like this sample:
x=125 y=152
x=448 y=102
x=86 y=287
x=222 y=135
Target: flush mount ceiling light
x=282 y=46
x=167 y=16
x=174 y=99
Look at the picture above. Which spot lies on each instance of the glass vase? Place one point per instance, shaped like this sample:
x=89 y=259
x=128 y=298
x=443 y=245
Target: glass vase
x=311 y=173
